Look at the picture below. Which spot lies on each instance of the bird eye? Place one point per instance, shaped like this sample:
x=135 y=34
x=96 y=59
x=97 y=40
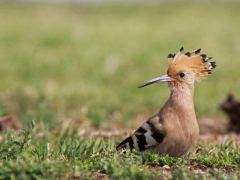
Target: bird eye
x=181 y=75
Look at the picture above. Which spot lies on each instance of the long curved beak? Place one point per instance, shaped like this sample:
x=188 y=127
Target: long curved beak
x=163 y=78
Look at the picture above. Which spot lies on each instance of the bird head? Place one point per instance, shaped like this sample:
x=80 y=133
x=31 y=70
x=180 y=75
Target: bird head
x=185 y=69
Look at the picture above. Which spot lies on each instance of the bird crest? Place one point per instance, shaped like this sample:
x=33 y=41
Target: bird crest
x=194 y=61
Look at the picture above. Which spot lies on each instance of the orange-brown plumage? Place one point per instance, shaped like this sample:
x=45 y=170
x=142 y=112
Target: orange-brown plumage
x=190 y=61
x=174 y=130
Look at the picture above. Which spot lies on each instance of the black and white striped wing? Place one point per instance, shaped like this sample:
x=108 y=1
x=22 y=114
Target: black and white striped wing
x=149 y=134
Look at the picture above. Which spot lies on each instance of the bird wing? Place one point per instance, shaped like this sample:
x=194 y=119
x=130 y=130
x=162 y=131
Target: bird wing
x=149 y=134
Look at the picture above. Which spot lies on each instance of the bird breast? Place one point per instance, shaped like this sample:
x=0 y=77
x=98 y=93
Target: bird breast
x=181 y=126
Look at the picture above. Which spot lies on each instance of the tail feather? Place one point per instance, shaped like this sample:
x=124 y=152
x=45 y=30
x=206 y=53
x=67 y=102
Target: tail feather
x=126 y=144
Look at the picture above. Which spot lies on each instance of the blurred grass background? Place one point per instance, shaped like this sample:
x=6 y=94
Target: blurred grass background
x=83 y=63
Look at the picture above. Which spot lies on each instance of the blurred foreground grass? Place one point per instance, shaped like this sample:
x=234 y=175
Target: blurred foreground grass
x=38 y=154
x=84 y=63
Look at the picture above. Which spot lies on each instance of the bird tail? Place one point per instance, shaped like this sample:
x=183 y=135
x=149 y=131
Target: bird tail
x=127 y=143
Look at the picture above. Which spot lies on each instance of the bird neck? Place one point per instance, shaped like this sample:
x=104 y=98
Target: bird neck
x=182 y=96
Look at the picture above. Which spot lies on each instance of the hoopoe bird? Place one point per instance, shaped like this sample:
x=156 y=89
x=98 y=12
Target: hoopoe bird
x=174 y=130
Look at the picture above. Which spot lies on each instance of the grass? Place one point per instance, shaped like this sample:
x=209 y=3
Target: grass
x=29 y=155
x=73 y=67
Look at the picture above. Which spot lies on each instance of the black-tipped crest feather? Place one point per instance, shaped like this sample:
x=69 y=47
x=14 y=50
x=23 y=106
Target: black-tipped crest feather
x=188 y=54
x=213 y=64
x=198 y=51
